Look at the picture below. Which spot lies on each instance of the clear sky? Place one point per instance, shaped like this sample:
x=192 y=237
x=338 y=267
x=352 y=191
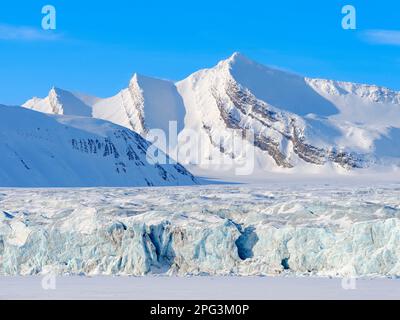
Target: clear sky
x=98 y=45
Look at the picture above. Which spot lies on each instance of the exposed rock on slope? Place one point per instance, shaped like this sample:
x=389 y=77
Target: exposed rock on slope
x=39 y=150
x=299 y=124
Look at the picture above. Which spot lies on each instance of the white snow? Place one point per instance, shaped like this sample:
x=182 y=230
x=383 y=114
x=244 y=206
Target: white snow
x=292 y=229
x=197 y=288
x=59 y=102
x=147 y=104
x=41 y=150
x=281 y=89
x=361 y=121
x=330 y=115
x=300 y=233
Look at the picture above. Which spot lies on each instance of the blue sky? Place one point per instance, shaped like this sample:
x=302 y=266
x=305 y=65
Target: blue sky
x=98 y=46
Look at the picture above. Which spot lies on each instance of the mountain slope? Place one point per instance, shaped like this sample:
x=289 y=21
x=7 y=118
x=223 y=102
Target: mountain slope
x=59 y=102
x=147 y=104
x=241 y=109
x=298 y=122
x=220 y=106
x=39 y=150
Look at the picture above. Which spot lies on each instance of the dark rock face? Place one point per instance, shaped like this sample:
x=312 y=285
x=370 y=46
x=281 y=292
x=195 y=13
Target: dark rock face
x=246 y=105
x=135 y=149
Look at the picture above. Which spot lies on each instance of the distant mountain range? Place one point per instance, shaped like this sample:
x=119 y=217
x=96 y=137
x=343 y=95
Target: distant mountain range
x=299 y=124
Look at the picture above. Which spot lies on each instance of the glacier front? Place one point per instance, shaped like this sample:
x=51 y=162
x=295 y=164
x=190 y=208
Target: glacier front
x=203 y=230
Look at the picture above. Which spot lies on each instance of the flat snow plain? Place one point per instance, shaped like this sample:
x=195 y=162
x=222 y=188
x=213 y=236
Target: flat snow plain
x=292 y=241
x=198 y=288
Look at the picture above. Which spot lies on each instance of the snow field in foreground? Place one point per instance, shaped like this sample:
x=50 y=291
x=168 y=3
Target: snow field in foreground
x=201 y=288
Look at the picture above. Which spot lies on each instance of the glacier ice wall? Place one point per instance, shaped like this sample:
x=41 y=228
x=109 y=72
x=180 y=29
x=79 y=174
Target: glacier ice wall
x=230 y=230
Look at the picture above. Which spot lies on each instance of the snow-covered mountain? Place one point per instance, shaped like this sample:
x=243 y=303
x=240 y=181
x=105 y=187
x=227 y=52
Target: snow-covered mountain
x=41 y=150
x=297 y=123
x=147 y=103
x=60 y=102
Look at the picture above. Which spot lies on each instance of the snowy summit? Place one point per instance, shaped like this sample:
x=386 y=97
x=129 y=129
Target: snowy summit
x=300 y=125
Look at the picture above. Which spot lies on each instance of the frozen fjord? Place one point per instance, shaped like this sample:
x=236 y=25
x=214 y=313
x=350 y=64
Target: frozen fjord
x=217 y=230
x=200 y=288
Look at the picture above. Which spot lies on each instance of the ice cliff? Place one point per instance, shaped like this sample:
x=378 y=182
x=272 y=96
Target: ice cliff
x=234 y=230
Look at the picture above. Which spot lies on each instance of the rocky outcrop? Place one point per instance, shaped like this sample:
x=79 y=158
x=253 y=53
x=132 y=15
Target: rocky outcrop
x=284 y=125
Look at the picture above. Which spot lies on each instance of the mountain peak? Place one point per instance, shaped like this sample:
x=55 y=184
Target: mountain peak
x=237 y=58
x=53 y=90
x=60 y=101
x=56 y=92
x=134 y=77
x=137 y=78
